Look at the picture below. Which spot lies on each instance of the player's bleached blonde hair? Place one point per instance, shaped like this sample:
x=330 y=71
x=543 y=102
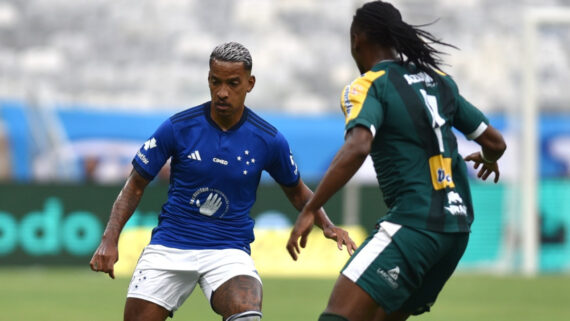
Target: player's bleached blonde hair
x=232 y=52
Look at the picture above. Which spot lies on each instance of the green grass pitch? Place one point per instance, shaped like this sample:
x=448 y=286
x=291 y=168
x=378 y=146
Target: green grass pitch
x=31 y=294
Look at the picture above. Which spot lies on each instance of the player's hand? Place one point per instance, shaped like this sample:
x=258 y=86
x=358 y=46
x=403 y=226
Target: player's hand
x=486 y=169
x=341 y=237
x=302 y=228
x=105 y=257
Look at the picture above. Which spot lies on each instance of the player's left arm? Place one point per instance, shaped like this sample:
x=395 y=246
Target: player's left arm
x=492 y=148
x=475 y=125
x=299 y=195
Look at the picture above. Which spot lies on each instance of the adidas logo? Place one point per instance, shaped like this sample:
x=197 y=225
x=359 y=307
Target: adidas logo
x=195 y=156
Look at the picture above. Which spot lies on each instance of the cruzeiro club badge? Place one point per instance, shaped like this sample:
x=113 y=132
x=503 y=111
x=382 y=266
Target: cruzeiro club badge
x=210 y=202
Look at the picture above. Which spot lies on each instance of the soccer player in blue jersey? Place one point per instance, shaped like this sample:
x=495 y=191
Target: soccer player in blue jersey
x=218 y=151
x=401 y=111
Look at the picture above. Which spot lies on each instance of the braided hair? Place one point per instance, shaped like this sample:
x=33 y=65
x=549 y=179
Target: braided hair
x=382 y=23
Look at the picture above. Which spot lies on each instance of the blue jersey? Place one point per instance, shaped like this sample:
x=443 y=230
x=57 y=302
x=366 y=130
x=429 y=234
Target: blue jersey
x=214 y=176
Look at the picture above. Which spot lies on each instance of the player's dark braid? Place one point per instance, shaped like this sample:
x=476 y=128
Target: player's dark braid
x=383 y=23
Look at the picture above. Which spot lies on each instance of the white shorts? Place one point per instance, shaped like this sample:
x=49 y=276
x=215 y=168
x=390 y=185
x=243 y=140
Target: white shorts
x=167 y=276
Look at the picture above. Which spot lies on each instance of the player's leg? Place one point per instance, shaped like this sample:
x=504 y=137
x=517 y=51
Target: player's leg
x=239 y=298
x=142 y=310
x=394 y=316
x=383 y=274
x=348 y=301
x=231 y=283
x=454 y=245
x=157 y=287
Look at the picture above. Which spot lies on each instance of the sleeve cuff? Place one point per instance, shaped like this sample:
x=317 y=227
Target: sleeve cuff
x=141 y=171
x=475 y=134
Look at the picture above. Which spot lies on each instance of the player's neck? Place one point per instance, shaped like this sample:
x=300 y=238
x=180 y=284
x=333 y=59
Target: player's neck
x=376 y=56
x=225 y=122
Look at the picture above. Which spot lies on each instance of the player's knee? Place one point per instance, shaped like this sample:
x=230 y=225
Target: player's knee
x=245 y=316
x=332 y=317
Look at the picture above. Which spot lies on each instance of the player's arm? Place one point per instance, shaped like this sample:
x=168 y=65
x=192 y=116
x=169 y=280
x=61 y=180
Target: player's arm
x=344 y=165
x=299 y=195
x=492 y=148
x=107 y=253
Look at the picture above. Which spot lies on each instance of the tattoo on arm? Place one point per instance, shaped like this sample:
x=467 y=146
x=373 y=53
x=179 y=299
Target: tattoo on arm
x=125 y=205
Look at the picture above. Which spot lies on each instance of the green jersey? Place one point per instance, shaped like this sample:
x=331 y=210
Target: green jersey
x=411 y=114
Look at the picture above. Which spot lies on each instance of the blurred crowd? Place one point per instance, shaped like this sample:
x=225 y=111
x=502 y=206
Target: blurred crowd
x=146 y=55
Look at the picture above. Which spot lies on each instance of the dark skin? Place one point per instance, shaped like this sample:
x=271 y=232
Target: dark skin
x=348 y=299
x=229 y=83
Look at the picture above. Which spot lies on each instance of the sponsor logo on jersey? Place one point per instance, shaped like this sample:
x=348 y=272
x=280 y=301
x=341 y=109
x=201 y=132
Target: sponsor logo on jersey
x=195 y=155
x=456 y=206
x=419 y=77
x=210 y=202
x=440 y=168
x=353 y=95
x=390 y=276
x=150 y=144
x=142 y=157
x=293 y=162
x=220 y=161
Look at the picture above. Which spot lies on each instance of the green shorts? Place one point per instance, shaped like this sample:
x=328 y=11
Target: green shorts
x=404 y=268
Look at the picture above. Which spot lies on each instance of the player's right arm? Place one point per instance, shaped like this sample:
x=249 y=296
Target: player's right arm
x=107 y=254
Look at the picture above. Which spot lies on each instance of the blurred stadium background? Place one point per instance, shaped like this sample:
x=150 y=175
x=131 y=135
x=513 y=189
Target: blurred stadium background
x=84 y=83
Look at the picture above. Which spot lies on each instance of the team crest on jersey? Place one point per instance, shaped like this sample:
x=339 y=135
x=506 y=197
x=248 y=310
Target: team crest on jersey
x=210 y=202
x=247 y=161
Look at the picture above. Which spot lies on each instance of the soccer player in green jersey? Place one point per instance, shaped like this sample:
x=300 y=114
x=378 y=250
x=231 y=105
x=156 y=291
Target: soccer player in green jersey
x=401 y=112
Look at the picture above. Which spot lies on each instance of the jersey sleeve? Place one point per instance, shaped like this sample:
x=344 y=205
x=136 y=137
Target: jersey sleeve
x=282 y=167
x=152 y=155
x=467 y=118
x=361 y=104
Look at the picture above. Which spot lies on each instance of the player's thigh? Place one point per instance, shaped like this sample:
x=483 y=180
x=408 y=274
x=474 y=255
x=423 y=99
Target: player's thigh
x=454 y=245
x=239 y=294
x=391 y=264
x=143 y=310
x=350 y=301
x=158 y=278
x=230 y=281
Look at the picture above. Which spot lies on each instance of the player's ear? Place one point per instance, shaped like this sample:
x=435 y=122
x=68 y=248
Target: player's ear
x=251 y=82
x=355 y=41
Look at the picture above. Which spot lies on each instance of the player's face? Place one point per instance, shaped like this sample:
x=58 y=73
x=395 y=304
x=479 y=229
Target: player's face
x=355 y=39
x=229 y=83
